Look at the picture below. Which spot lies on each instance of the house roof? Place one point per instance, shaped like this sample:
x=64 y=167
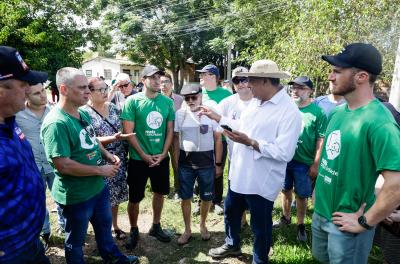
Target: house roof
x=116 y=61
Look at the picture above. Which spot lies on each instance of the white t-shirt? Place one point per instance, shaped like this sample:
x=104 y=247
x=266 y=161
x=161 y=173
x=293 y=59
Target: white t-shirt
x=232 y=107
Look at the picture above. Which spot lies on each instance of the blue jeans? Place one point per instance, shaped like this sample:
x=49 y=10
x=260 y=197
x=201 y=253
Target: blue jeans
x=48 y=179
x=261 y=222
x=205 y=179
x=33 y=253
x=330 y=245
x=97 y=210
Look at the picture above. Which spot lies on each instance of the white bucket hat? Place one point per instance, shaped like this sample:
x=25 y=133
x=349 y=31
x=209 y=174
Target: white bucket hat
x=265 y=68
x=238 y=70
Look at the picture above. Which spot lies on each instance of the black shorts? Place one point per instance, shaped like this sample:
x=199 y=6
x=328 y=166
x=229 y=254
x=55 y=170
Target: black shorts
x=138 y=173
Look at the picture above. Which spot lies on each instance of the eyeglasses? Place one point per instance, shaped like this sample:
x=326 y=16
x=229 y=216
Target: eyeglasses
x=298 y=87
x=123 y=85
x=240 y=80
x=166 y=82
x=190 y=97
x=102 y=90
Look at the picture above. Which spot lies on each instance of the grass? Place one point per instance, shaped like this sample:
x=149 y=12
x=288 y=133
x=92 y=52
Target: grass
x=286 y=247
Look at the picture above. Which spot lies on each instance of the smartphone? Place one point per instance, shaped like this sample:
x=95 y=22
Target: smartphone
x=226 y=127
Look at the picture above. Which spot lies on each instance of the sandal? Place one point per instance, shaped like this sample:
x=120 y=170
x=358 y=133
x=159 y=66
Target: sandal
x=119 y=234
x=205 y=235
x=184 y=239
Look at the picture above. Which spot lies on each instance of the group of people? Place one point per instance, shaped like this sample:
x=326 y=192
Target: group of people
x=98 y=147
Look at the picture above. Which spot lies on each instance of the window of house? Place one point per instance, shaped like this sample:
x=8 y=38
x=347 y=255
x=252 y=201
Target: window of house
x=126 y=71
x=88 y=73
x=107 y=74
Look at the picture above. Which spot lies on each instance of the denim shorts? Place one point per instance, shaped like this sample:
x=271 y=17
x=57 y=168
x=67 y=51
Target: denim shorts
x=205 y=178
x=330 y=245
x=297 y=176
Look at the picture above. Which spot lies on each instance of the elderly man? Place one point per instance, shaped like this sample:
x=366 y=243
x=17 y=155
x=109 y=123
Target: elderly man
x=213 y=94
x=303 y=169
x=75 y=153
x=362 y=141
x=23 y=200
x=151 y=116
x=266 y=135
x=121 y=89
x=30 y=120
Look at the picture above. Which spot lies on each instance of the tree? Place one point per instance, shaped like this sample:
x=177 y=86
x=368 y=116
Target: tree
x=164 y=33
x=296 y=33
x=49 y=34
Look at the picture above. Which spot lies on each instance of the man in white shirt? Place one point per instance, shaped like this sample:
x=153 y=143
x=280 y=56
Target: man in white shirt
x=266 y=136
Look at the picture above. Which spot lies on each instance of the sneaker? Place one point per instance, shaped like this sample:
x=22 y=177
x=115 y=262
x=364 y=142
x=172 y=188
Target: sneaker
x=132 y=260
x=46 y=240
x=157 y=232
x=282 y=222
x=301 y=233
x=132 y=239
x=224 y=251
x=218 y=209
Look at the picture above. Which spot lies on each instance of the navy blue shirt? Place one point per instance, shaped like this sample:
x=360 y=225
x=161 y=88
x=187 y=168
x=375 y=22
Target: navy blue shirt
x=22 y=193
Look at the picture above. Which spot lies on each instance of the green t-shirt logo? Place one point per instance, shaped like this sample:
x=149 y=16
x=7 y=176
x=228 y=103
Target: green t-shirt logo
x=333 y=145
x=154 y=120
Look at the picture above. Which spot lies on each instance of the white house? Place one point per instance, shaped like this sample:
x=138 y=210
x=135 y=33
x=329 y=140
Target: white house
x=109 y=68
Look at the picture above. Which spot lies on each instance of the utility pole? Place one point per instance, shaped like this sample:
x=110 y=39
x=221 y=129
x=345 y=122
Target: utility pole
x=229 y=68
x=394 y=98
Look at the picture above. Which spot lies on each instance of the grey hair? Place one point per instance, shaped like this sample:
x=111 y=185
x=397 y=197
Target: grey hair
x=66 y=75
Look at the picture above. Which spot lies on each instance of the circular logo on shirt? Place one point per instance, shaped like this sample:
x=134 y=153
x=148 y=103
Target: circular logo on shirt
x=88 y=140
x=333 y=145
x=154 y=119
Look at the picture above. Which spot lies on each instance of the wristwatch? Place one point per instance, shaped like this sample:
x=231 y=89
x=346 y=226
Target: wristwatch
x=363 y=222
x=219 y=164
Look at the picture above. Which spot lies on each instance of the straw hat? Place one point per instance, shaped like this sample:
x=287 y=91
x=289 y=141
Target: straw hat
x=265 y=68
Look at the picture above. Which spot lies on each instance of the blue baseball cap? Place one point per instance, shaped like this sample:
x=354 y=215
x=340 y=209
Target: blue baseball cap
x=211 y=68
x=303 y=81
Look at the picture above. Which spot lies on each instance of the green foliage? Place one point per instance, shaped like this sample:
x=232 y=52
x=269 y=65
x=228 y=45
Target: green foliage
x=49 y=34
x=296 y=33
x=166 y=35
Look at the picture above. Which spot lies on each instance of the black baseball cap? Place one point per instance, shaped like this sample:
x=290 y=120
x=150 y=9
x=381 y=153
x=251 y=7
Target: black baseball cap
x=190 y=89
x=150 y=70
x=12 y=66
x=211 y=68
x=303 y=81
x=359 y=55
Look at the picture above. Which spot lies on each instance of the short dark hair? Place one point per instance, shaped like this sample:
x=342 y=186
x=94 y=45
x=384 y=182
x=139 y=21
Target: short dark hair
x=93 y=80
x=371 y=77
x=168 y=76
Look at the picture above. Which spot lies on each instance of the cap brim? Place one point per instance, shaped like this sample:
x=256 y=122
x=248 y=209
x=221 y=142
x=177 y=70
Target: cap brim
x=300 y=83
x=34 y=77
x=202 y=71
x=278 y=75
x=335 y=61
x=154 y=72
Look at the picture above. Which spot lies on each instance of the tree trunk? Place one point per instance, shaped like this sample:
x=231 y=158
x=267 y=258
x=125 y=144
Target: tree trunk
x=394 y=98
x=175 y=79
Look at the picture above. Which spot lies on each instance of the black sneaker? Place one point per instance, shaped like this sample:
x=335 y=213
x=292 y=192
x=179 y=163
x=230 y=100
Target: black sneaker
x=46 y=241
x=282 y=222
x=301 y=233
x=224 y=251
x=132 y=239
x=157 y=232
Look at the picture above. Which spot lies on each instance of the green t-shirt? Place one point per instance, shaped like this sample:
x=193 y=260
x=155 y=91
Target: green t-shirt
x=359 y=144
x=66 y=136
x=150 y=116
x=217 y=95
x=313 y=127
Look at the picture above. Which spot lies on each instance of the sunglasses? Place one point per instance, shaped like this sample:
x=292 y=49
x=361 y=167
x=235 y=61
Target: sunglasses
x=102 y=90
x=123 y=85
x=240 y=80
x=191 y=97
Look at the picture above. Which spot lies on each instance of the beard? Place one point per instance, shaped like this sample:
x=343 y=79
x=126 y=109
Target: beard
x=346 y=88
